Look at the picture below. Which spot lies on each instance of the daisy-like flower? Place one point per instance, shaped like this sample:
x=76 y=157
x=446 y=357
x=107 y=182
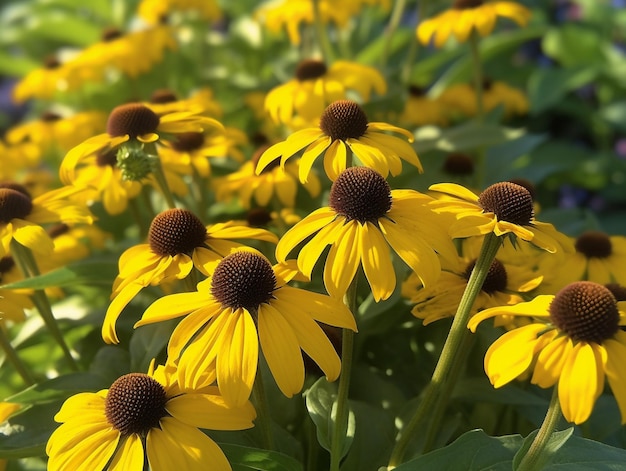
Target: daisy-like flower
x=246 y=303
x=504 y=286
x=12 y=302
x=467 y=16
x=21 y=216
x=575 y=341
x=502 y=208
x=599 y=257
x=420 y=109
x=344 y=125
x=273 y=181
x=363 y=220
x=53 y=131
x=177 y=242
x=164 y=101
x=316 y=86
x=144 y=417
x=95 y=165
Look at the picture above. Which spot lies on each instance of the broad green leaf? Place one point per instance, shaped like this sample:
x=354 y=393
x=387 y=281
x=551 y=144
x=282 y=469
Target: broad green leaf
x=573 y=45
x=615 y=114
x=244 y=458
x=147 y=342
x=110 y=363
x=321 y=404
x=546 y=87
x=490 y=47
x=84 y=272
x=26 y=434
x=60 y=387
x=555 y=443
x=465 y=137
x=16 y=66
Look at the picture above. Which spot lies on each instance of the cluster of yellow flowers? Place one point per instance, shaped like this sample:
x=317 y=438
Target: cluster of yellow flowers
x=237 y=287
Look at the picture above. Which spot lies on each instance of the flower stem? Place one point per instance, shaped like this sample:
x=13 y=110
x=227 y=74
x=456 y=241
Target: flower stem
x=159 y=175
x=392 y=26
x=13 y=357
x=320 y=34
x=28 y=265
x=264 y=417
x=342 y=411
x=477 y=66
x=531 y=460
x=451 y=353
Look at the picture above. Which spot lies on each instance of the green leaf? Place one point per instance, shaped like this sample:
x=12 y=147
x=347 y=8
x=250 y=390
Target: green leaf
x=16 y=66
x=474 y=450
x=321 y=404
x=547 y=87
x=573 y=45
x=615 y=114
x=62 y=28
x=60 y=387
x=147 y=342
x=555 y=443
x=26 y=434
x=490 y=47
x=467 y=136
x=89 y=272
x=244 y=458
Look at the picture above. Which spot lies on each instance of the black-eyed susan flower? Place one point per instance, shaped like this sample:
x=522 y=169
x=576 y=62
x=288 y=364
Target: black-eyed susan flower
x=21 y=216
x=141 y=421
x=502 y=208
x=364 y=219
x=177 y=242
x=574 y=341
x=110 y=166
x=504 y=285
x=246 y=303
x=272 y=182
x=344 y=128
x=165 y=101
x=467 y=16
x=420 y=109
x=12 y=302
x=598 y=257
x=316 y=86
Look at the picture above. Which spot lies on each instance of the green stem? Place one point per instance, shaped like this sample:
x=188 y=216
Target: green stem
x=392 y=26
x=264 y=418
x=159 y=175
x=532 y=459
x=477 y=66
x=451 y=348
x=343 y=408
x=408 y=62
x=11 y=354
x=320 y=34
x=28 y=265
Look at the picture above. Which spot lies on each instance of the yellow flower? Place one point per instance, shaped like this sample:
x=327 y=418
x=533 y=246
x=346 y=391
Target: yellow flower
x=55 y=132
x=143 y=416
x=153 y=11
x=598 y=257
x=575 y=341
x=467 y=16
x=272 y=182
x=504 y=286
x=344 y=125
x=93 y=165
x=177 y=242
x=503 y=208
x=364 y=218
x=246 y=302
x=460 y=99
x=419 y=109
x=132 y=53
x=21 y=216
x=12 y=302
x=316 y=86
x=17 y=157
x=164 y=101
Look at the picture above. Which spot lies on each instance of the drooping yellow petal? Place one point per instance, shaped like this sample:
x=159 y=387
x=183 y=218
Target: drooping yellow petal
x=616 y=359
x=281 y=350
x=538 y=307
x=551 y=359
x=109 y=335
x=179 y=446
x=376 y=262
x=210 y=411
x=512 y=354
x=343 y=260
x=311 y=153
x=130 y=454
x=312 y=250
x=173 y=306
x=580 y=385
x=32 y=236
x=312 y=223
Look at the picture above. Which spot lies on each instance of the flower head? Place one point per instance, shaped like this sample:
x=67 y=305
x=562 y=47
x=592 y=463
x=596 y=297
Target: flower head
x=21 y=216
x=143 y=415
x=467 y=16
x=363 y=220
x=575 y=341
x=247 y=303
x=316 y=86
x=502 y=208
x=344 y=125
x=177 y=242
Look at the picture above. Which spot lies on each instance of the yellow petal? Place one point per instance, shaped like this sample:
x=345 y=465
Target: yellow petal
x=376 y=262
x=538 y=307
x=32 y=236
x=173 y=306
x=210 y=411
x=312 y=223
x=616 y=359
x=343 y=260
x=109 y=335
x=130 y=455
